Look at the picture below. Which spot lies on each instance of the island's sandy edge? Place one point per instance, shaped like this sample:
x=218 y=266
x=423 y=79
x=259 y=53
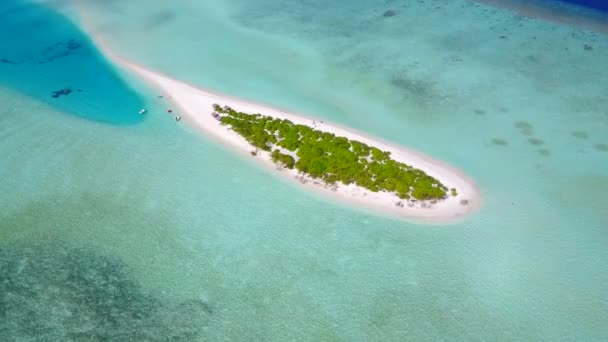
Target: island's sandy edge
x=195 y=107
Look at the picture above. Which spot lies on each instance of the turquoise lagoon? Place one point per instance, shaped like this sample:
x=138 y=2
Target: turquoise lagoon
x=43 y=53
x=125 y=227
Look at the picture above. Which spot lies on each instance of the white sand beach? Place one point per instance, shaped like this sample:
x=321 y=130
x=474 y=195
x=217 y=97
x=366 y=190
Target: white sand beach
x=194 y=105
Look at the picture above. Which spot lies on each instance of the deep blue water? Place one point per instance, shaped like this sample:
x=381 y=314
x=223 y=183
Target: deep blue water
x=45 y=56
x=601 y=5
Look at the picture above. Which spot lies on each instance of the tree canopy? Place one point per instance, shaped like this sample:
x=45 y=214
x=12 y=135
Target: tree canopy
x=332 y=158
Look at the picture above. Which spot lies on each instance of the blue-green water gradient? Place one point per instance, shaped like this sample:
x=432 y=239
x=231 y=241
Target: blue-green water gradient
x=518 y=104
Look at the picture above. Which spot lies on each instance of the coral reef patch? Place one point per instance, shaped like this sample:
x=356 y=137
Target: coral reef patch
x=56 y=292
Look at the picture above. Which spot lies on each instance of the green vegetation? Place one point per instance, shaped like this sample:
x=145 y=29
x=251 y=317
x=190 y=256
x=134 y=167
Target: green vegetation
x=331 y=158
x=284 y=159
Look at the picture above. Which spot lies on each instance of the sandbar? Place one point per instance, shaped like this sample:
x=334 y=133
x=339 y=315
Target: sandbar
x=194 y=106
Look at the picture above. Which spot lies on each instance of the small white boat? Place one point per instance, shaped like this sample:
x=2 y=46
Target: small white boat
x=143 y=111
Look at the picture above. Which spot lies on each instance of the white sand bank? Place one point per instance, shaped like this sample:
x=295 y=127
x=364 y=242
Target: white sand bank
x=194 y=105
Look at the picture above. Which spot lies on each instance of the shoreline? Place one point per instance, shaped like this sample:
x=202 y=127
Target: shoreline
x=195 y=108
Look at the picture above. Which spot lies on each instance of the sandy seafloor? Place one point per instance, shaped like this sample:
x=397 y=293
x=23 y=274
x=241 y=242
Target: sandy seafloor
x=518 y=104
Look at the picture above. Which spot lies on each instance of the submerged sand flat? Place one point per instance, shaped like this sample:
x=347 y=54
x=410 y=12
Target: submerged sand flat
x=196 y=106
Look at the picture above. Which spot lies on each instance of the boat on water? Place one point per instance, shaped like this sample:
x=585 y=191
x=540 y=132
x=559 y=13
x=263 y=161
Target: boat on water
x=143 y=111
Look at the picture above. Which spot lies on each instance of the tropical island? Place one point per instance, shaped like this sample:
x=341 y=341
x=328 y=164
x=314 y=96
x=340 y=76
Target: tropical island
x=331 y=158
x=336 y=162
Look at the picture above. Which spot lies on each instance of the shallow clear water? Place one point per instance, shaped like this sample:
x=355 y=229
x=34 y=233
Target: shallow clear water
x=519 y=104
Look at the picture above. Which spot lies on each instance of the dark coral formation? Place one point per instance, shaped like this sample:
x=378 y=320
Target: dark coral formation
x=421 y=91
x=59 y=50
x=389 y=13
x=499 y=142
x=58 y=293
x=525 y=128
x=580 y=134
x=61 y=92
x=7 y=61
x=601 y=147
x=535 y=141
x=523 y=125
x=72 y=45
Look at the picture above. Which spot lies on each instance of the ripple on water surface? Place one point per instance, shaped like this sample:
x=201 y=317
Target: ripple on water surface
x=47 y=57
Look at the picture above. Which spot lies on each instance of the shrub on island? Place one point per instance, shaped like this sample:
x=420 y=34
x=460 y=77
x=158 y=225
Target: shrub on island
x=331 y=158
x=284 y=159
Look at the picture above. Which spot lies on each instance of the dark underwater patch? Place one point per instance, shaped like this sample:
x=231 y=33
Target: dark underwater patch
x=601 y=147
x=61 y=92
x=499 y=142
x=534 y=141
x=56 y=292
x=544 y=152
x=421 y=91
x=160 y=18
x=389 y=13
x=523 y=125
x=580 y=134
x=55 y=51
